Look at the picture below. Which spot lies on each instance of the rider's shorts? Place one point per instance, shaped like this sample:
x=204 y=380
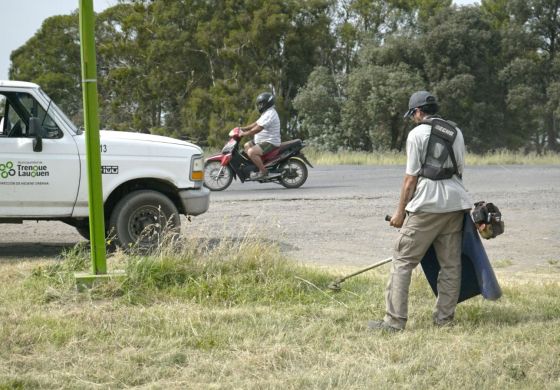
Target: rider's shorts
x=265 y=146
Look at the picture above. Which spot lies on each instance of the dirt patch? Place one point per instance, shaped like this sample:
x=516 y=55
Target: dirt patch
x=352 y=232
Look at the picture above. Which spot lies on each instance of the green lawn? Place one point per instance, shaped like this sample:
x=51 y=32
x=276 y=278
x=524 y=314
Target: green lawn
x=237 y=315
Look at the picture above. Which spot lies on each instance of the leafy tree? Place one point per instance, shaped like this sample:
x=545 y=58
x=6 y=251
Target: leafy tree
x=319 y=107
x=461 y=58
x=51 y=58
x=234 y=50
x=359 y=23
x=342 y=70
x=383 y=68
x=532 y=74
x=130 y=95
x=372 y=116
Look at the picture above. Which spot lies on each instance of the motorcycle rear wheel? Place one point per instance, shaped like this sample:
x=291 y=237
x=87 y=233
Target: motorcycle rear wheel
x=216 y=177
x=294 y=173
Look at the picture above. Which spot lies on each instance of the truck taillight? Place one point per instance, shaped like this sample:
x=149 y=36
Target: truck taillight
x=197 y=168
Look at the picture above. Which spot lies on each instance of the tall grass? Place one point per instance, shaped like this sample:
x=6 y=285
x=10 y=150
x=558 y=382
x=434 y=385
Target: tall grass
x=501 y=157
x=505 y=157
x=355 y=158
x=236 y=314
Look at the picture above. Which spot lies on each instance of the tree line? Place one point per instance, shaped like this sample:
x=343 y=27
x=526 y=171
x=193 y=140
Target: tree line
x=342 y=70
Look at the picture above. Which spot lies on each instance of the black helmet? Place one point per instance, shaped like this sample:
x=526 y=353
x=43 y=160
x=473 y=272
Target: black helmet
x=264 y=101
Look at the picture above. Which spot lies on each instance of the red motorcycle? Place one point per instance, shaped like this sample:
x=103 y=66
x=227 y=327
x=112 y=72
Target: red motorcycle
x=286 y=165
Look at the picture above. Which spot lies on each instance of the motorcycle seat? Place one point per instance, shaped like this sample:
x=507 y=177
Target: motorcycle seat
x=283 y=146
x=287 y=144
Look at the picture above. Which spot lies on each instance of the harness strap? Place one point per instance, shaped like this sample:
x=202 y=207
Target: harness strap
x=447 y=133
x=452 y=155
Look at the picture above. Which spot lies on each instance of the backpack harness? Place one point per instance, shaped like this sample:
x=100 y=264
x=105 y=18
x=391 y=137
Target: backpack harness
x=440 y=148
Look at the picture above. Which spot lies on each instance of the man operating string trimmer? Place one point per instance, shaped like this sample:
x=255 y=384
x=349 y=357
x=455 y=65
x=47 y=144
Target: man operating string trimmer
x=430 y=211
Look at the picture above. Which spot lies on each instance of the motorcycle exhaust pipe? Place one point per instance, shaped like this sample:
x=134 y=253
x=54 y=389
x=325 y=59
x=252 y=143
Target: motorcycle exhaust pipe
x=335 y=285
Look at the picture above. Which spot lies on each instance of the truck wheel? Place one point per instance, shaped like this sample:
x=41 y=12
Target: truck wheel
x=216 y=177
x=294 y=173
x=142 y=217
x=83 y=230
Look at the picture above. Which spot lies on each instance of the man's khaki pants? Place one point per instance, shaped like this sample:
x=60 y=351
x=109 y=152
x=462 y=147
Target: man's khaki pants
x=420 y=230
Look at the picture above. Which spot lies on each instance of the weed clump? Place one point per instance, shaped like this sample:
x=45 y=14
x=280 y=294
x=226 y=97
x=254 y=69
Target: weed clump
x=226 y=272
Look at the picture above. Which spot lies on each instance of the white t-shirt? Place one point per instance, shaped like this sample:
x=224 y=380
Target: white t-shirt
x=435 y=196
x=270 y=122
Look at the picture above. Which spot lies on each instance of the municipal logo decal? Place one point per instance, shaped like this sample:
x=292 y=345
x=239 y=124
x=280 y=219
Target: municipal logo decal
x=7 y=170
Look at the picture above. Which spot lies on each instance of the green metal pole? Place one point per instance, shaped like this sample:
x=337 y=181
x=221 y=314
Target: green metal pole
x=93 y=155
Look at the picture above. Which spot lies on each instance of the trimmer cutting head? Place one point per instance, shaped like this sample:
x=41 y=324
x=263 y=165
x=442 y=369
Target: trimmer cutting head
x=334 y=286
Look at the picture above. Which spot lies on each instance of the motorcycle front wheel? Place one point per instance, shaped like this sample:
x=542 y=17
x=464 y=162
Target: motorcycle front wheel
x=294 y=173
x=216 y=176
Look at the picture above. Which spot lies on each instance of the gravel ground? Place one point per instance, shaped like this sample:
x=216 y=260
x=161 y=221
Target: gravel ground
x=336 y=218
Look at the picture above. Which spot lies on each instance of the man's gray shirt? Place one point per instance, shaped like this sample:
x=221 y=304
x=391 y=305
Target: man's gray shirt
x=435 y=196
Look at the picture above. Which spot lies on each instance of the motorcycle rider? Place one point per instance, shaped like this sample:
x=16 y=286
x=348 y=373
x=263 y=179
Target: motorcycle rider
x=267 y=134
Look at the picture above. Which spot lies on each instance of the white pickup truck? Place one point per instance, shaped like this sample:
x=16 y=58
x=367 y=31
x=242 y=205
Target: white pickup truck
x=148 y=180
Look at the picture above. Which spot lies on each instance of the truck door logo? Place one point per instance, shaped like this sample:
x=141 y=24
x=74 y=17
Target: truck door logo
x=24 y=169
x=109 y=169
x=7 y=169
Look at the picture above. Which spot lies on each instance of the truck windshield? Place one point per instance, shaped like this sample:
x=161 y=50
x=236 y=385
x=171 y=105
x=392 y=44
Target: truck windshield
x=58 y=112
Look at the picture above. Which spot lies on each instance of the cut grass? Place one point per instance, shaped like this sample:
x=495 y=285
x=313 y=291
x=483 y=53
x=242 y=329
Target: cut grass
x=237 y=314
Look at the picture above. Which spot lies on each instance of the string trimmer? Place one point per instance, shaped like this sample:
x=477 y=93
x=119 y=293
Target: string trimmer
x=335 y=286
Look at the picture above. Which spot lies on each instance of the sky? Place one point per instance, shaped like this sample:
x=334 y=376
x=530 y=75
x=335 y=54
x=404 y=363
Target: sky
x=22 y=18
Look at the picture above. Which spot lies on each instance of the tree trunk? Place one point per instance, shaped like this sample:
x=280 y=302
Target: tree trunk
x=551 y=132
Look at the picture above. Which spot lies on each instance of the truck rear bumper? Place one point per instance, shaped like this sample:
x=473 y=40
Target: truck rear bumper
x=195 y=202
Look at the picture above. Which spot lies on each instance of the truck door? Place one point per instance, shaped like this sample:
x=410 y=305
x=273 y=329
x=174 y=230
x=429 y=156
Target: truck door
x=35 y=183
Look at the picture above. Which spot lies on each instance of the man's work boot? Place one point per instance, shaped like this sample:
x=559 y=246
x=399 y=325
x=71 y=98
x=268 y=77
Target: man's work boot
x=444 y=323
x=382 y=325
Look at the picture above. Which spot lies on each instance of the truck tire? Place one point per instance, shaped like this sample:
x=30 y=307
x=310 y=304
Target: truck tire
x=141 y=217
x=83 y=230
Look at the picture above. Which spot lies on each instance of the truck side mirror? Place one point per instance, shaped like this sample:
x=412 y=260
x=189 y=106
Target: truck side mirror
x=36 y=130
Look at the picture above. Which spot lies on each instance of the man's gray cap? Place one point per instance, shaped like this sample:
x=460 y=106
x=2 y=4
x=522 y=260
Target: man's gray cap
x=419 y=99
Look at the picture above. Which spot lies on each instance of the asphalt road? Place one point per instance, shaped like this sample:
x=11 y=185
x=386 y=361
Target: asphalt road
x=336 y=218
x=366 y=181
